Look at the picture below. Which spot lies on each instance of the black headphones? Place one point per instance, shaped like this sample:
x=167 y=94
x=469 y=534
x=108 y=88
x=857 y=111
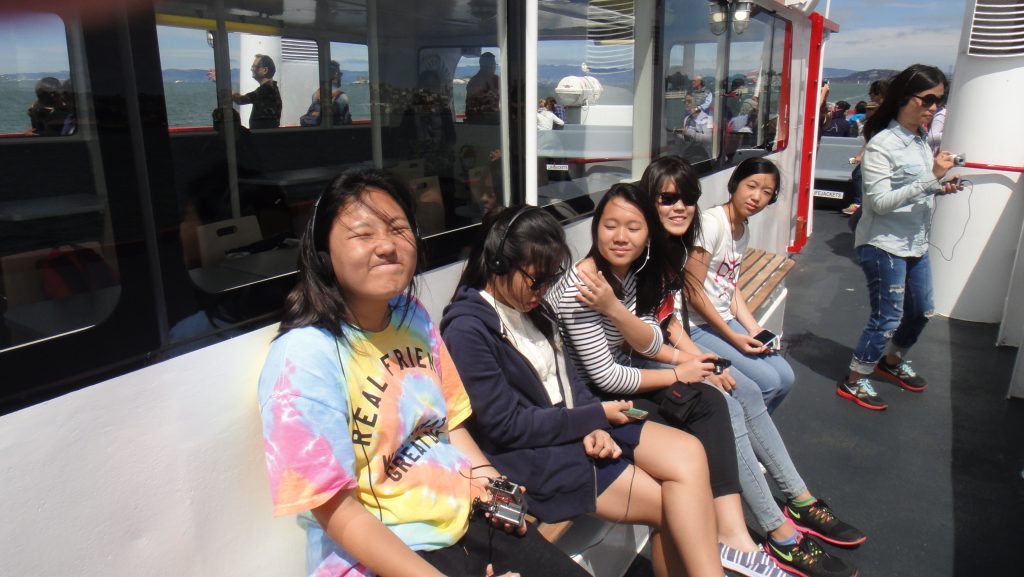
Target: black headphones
x=498 y=264
x=321 y=258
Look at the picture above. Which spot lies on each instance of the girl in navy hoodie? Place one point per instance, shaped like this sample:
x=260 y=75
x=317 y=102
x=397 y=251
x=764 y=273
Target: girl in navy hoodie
x=539 y=423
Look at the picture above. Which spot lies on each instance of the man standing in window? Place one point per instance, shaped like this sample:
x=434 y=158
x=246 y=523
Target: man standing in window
x=266 y=99
x=701 y=95
x=483 y=93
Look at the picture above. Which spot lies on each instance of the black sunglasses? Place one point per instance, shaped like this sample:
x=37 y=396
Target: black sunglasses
x=670 y=198
x=544 y=282
x=929 y=100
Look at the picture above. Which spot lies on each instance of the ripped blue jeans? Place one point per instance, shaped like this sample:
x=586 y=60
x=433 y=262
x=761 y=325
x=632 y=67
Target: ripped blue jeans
x=900 y=289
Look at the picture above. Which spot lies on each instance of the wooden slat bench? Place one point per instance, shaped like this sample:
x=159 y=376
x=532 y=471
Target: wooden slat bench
x=761 y=274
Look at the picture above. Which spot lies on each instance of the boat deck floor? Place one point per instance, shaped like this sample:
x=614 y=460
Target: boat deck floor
x=936 y=480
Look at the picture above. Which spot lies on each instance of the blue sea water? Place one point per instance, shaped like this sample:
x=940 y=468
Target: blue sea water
x=191 y=103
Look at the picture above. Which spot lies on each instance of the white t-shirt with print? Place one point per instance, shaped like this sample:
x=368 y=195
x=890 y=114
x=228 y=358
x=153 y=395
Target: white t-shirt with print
x=724 y=268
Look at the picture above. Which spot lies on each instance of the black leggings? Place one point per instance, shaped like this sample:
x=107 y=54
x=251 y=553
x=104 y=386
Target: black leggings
x=530 y=555
x=710 y=423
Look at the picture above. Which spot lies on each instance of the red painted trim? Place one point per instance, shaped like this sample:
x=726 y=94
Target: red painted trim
x=1001 y=167
x=592 y=160
x=177 y=129
x=782 y=130
x=808 y=144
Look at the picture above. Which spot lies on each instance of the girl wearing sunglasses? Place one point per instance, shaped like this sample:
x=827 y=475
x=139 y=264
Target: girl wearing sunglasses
x=671 y=188
x=608 y=300
x=901 y=179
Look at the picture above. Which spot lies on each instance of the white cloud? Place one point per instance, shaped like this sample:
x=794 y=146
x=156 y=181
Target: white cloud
x=893 y=47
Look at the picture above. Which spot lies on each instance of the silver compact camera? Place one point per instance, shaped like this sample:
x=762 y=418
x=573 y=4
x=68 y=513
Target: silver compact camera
x=959 y=159
x=507 y=503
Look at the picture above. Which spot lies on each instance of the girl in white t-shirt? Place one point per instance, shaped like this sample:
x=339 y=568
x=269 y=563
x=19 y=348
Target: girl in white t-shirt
x=720 y=320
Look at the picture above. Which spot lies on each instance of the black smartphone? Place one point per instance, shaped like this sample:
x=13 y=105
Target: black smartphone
x=768 y=339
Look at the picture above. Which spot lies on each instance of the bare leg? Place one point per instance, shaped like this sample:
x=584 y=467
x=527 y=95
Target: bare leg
x=678 y=461
x=640 y=503
x=732 y=527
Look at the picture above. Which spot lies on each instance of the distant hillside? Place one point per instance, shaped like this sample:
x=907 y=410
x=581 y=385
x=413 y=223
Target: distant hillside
x=192 y=75
x=837 y=72
x=868 y=75
x=62 y=75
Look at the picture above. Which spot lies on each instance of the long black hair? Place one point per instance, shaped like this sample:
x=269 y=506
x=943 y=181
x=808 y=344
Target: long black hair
x=673 y=250
x=648 y=286
x=535 y=238
x=317 y=300
x=902 y=87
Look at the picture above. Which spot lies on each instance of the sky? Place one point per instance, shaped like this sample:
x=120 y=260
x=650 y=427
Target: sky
x=873 y=34
x=894 y=34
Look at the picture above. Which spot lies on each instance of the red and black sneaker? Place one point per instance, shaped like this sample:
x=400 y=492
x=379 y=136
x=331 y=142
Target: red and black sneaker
x=863 y=393
x=819 y=520
x=902 y=374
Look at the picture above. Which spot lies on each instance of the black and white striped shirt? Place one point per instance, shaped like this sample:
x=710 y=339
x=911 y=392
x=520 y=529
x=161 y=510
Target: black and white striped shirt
x=593 y=341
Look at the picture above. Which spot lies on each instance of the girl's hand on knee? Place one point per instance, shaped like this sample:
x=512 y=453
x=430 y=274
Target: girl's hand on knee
x=599 y=445
x=724 y=381
x=613 y=411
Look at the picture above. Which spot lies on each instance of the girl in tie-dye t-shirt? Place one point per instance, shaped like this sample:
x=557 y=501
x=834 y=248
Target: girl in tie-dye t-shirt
x=363 y=410
x=394 y=402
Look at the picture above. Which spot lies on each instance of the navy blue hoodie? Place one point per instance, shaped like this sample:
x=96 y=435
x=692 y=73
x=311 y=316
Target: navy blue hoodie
x=527 y=438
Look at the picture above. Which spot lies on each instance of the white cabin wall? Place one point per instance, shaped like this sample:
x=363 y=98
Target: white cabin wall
x=297 y=81
x=159 y=472
x=975 y=233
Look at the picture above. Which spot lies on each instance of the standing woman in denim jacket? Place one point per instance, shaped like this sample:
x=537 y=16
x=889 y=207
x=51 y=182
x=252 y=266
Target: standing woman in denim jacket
x=901 y=179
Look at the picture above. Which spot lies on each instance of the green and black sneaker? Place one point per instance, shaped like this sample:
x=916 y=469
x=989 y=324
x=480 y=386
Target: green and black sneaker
x=807 y=558
x=819 y=520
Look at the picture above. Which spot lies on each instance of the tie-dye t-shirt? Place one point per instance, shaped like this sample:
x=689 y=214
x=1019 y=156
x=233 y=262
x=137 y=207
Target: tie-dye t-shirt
x=407 y=395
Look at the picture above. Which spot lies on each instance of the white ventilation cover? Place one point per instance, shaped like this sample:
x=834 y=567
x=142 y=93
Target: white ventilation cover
x=997 y=29
x=293 y=50
x=610 y=31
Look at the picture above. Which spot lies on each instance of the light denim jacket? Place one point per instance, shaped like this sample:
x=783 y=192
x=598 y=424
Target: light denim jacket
x=899 y=192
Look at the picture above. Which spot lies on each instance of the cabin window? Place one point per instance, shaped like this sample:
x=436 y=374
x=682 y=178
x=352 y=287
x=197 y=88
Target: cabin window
x=689 y=103
x=246 y=187
x=353 y=63
x=723 y=85
x=440 y=101
x=585 y=79
x=37 y=97
x=58 y=268
x=748 y=129
x=187 y=64
x=778 y=91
